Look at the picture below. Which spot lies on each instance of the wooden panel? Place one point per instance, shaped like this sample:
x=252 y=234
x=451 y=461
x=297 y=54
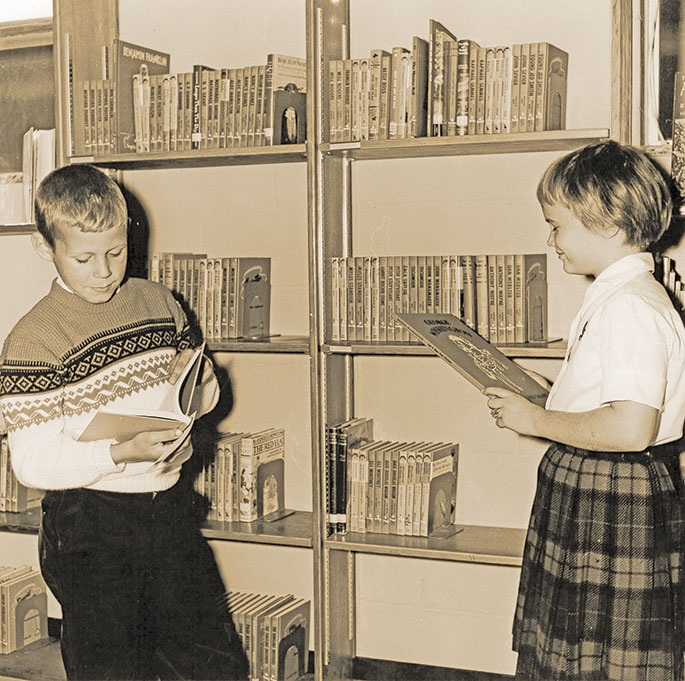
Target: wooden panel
x=28 y=91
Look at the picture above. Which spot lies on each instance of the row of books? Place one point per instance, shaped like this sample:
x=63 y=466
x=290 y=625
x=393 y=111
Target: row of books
x=14 y=497
x=141 y=106
x=402 y=488
x=23 y=607
x=243 y=476
x=501 y=296
x=672 y=280
x=274 y=633
x=230 y=296
x=446 y=86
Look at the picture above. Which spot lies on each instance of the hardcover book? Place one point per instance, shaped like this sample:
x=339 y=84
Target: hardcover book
x=127 y=59
x=176 y=411
x=437 y=119
x=262 y=475
x=481 y=363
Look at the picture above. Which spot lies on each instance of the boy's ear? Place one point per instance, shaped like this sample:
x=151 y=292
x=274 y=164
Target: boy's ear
x=41 y=246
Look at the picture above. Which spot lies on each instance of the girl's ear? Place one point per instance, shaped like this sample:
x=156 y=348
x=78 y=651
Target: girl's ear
x=41 y=246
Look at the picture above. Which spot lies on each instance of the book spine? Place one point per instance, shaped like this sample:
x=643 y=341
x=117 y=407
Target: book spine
x=469 y=290
x=514 y=90
x=385 y=91
x=501 y=300
x=363 y=99
x=332 y=111
x=532 y=85
x=519 y=305
x=355 y=95
x=451 y=78
x=510 y=313
x=492 y=299
x=523 y=88
x=481 y=90
x=490 y=77
x=505 y=115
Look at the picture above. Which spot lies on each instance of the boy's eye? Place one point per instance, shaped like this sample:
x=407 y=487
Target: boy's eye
x=117 y=254
x=82 y=261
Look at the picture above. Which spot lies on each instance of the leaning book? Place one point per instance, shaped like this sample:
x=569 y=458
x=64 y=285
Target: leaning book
x=176 y=411
x=472 y=356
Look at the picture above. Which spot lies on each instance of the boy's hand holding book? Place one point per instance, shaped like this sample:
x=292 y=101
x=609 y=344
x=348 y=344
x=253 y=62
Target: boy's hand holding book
x=146 y=446
x=154 y=434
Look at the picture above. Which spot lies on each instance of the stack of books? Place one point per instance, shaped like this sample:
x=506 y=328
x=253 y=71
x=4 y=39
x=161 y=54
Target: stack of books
x=230 y=297
x=14 y=497
x=243 y=476
x=445 y=86
x=24 y=607
x=402 y=488
x=141 y=106
x=502 y=297
x=274 y=633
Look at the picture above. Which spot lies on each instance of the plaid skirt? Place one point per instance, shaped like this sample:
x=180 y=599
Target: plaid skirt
x=601 y=591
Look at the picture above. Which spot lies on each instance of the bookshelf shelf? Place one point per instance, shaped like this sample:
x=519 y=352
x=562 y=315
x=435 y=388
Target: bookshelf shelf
x=512 y=143
x=275 y=344
x=472 y=544
x=198 y=158
x=293 y=530
x=552 y=350
x=24 y=228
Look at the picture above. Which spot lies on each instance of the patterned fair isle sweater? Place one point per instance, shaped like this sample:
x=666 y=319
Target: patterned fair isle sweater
x=66 y=358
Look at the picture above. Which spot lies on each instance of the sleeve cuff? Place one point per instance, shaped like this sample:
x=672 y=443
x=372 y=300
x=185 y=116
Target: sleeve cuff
x=102 y=458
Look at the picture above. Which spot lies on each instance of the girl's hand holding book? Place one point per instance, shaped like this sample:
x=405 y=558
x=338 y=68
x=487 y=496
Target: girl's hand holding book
x=512 y=411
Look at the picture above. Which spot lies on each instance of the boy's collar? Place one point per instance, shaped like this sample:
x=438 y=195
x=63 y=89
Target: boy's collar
x=60 y=281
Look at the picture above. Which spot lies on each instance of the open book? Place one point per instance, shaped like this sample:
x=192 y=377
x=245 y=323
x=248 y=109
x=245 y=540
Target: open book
x=177 y=411
x=471 y=355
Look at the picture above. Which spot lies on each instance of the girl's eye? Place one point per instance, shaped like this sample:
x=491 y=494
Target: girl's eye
x=81 y=261
x=116 y=255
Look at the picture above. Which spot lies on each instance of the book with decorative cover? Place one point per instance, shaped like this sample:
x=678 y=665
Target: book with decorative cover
x=127 y=59
x=473 y=357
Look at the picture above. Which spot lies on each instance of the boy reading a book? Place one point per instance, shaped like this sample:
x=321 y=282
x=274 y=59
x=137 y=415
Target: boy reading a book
x=601 y=591
x=119 y=545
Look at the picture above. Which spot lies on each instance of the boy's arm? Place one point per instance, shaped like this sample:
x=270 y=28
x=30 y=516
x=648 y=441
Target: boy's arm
x=621 y=426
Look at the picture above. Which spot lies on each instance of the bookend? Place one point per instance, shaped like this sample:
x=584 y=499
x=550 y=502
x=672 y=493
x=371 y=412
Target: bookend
x=290 y=116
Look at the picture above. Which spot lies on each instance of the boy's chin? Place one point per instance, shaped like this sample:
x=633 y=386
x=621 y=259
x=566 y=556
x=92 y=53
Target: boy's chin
x=99 y=295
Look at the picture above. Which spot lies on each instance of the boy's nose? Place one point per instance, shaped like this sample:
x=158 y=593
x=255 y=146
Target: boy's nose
x=102 y=269
x=550 y=240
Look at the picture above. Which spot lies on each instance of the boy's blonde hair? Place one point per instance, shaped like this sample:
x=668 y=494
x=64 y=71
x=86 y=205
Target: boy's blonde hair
x=78 y=196
x=610 y=186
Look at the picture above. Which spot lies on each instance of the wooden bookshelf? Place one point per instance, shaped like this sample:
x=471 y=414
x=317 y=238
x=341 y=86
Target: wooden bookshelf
x=39 y=661
x=273 y=344
x=293 y=530
x=199 y=158
x=24 y=228
x=552 y=350
x=471 y=544
x=511 y=143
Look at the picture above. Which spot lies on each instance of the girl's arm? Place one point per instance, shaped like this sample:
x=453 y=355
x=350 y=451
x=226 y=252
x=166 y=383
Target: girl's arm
x=623 y=426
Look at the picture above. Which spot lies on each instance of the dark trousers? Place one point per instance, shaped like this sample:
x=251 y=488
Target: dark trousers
x=140 y=590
